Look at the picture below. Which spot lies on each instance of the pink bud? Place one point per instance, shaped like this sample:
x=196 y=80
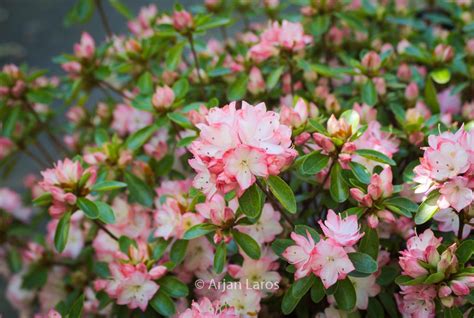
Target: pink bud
x=444 y=53
x=18 y=89
x=302 y=138
x=432 y=255
x=444 y=291
x=371 y=61
x=411 y=91
x=404 y=72
x=256 y=83
x=86 y=48
x=324 y=142
x=182 y=21
x=157 y=272
x=4 y=91
x=72 y=67
x=163 y=98
x=380 y=85
x=373 y=221
x=470 y=47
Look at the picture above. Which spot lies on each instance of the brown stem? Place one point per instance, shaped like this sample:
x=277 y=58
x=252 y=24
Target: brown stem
x=103 y=228
x=37 y=160
x=104 y=84
x=461 y=224
x=103 y=18
x=195 y=57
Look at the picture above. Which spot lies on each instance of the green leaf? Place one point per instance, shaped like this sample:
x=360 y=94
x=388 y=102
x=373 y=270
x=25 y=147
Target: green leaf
x=178 y=251
x=314 y=162
x=360 y=172
x=213 y=23
x=427 y=208
x=139 y=191
x=173 y=286
x=280 y=245
x=159 y=248
x=294 y=294
x=282 y=193
x=199 y=230
x=35 y=278
x=453 y=312
x=441 y=76
x=164 y=166
x=387 y=275
x=145 y=84
x=274 y=77
x=106 y=214
x=180 y=88
x=375 y=156
x=369 y=244
x=369 y=93
x=76 y=308
x=43 y=200
x=62 y=232
x=180 y=120
x=319 y=25
x=173 y=56
x=251 y=201
x=80 y=13
x=465 y=251
x=434 y=278
x=121 y=8
x=136 y=140
x=108 y=186
x=14 y=259
x=101 y=136
x=317 y=291
x=101 y=269
x=304 y=230
x=88 y=207
x=430 y=96
x=220 y=257
x=125 y=242
x=238 y=88
x=403 y=280
x=389 y=304
x=363 y=263
x=247 y=243
x=339 y=190
x=403 y=206
x=10 y=122
x=345 y=295
x=374 y=309
x=352 y=118
x=163 y=304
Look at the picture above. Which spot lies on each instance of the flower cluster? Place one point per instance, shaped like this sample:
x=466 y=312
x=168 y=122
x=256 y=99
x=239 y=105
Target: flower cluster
x=237 y=145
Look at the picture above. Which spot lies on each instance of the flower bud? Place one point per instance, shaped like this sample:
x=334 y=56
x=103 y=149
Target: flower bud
x=404 y=72
x=448 y=262
x=86 y=48
x=183 y=21
x=371 y=61
x=443 y=53
x=373 y=221
x=324 y=142
x=470 y=47
x=444 y=291
x=380 y=86
x=163 y=98
x=256 y=83
x=302 y=138
x=432 y=255
x=411 y=92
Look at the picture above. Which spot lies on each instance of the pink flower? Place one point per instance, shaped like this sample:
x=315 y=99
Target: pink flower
x=236 y=146
x=207 y=309
x=371 y=61
x=455 y=193
x=142 y=25
x=419 y=248
x=301 y=255
x=157 y=146
x=133 y=285
x=297 y=116
x=331 y=262
x=365 y=287
x=170 y=222
x=381 y=184
x=244 y=164
x=6 y=147
x=163 y=98
x=256 y=83
x=448 y=102
x=417 y=301
x=245 y=301
x=62 y=182
x=127 y=119
x=343 y=231
x=462 y=286
x=182 y=21
x=448 y=221
x=216 y=210
x=267 y=226
x=445 y=159
x=86 y=48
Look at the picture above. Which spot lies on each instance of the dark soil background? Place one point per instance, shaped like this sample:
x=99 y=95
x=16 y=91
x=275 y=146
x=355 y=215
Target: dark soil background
x=33 y=32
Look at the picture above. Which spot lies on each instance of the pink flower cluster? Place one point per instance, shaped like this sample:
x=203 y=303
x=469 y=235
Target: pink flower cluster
x=447 y=166
x=286 y=36
x=67 y=181
x=131 y=285
x=237 y=145
x=327 y=258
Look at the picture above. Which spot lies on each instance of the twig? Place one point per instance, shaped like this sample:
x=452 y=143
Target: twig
x=195 y=57
x=102 y=227
x=461 y=225
x=103 y=18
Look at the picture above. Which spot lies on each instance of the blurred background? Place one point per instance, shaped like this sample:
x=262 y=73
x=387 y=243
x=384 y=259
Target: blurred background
x=33 y=32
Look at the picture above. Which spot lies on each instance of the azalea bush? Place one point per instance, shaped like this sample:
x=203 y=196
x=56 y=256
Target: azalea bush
x=246 y=158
